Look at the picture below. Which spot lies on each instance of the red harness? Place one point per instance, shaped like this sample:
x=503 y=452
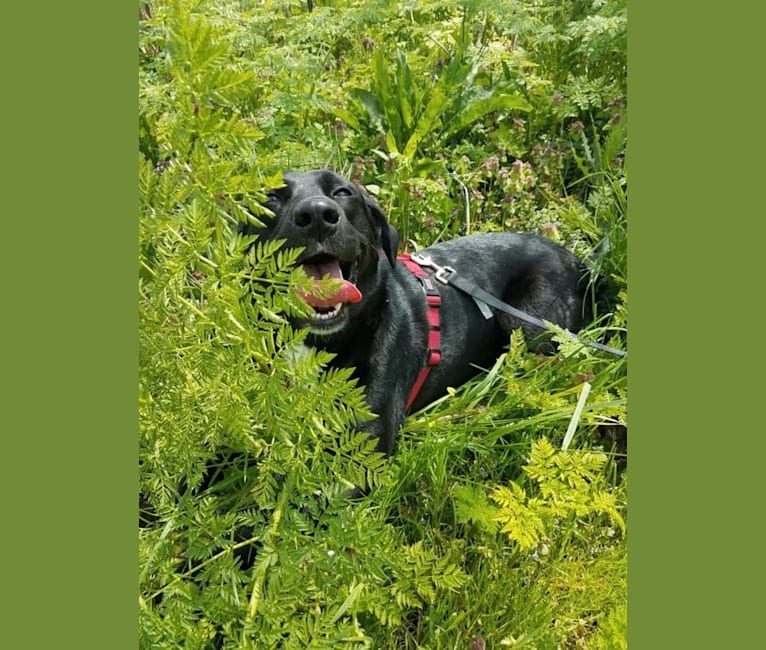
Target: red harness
x=434 y=301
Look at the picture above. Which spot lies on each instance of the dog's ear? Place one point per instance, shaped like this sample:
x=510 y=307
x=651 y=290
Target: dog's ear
x=386 y=233
x=390 y=240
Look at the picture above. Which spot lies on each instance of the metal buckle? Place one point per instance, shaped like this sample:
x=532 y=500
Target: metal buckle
x=441 y=273
x=421 y=259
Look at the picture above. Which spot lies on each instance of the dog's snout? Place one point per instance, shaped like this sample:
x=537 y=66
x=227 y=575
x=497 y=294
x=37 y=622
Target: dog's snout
x=317 y=215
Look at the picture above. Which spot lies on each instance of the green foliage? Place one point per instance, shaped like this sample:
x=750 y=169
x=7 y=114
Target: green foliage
x=460 y=117
x=405 y=111
x=568 y=484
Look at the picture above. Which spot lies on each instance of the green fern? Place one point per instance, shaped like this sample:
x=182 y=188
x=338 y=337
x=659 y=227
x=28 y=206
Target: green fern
x=519 y=518
x=568 y=484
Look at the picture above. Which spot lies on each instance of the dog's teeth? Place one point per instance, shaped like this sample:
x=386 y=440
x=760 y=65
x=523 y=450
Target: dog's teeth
x=327 y=315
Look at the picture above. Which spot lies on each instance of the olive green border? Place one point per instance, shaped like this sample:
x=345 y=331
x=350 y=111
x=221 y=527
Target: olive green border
x=695 y=260
x=69 y=325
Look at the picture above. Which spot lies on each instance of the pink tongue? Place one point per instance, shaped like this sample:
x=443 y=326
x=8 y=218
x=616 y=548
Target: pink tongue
x=345 y=292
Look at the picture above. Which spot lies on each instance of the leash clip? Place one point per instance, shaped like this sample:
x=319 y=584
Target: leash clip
x=441 y=273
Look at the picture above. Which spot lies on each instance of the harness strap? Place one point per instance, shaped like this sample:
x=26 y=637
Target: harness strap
x=433 y=303
x=448 y=275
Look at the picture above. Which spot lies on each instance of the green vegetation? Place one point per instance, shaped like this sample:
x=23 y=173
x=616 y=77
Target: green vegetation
x=481 y=531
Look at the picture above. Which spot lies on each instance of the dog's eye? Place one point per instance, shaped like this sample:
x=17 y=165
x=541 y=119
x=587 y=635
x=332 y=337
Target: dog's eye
x=272 y=197
x=341 y=192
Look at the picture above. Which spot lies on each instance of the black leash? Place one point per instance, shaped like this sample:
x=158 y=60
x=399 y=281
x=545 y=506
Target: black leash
x=448 y=275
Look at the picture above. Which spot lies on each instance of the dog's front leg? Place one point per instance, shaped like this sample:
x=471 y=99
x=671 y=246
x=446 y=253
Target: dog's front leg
x=387 y=391
x=385 y=426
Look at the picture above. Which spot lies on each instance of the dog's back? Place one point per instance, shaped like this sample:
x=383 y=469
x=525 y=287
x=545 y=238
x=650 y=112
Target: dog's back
x=526 y=271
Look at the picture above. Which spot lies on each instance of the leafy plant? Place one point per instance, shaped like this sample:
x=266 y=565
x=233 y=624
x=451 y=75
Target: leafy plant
x=569 y=490
x=406 y=112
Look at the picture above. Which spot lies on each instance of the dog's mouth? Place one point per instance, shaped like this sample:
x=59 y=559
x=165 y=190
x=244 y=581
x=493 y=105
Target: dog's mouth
x=334 y=287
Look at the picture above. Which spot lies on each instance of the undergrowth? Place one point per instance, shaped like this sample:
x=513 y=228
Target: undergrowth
x=481 y=532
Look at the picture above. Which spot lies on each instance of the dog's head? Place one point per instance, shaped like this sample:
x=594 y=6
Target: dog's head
x=343 y=233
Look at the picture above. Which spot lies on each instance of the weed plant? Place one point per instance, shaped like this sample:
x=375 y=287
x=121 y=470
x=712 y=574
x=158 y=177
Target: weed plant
x=481 y=532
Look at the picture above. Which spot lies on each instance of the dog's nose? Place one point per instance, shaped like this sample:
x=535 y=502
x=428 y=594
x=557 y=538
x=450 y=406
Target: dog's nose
x=317 y=216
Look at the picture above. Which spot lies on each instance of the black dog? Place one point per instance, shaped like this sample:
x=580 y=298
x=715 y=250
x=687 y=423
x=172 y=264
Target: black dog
x=378 y=322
